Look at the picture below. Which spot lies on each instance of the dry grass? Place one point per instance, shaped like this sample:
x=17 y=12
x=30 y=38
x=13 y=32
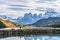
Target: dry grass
x=8 y=23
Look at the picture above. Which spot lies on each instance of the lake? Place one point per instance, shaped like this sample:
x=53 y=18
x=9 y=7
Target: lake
x=40 y=37
x=31 y=37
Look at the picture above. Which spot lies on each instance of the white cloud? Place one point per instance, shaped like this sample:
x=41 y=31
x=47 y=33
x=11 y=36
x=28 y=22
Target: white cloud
x=33 y=5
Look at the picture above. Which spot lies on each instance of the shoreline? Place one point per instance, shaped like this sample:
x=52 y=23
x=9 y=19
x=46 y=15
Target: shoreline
x=28 y=32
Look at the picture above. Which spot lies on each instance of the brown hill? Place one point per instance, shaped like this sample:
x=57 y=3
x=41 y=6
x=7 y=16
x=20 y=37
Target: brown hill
x=9 y=24
x=2 y=25
x=6 y=23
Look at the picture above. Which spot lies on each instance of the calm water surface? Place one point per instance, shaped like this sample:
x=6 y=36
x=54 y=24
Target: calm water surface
x=41 y=37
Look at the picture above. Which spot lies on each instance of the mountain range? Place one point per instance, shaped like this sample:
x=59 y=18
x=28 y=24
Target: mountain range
x=30 y=18
x=51 y=21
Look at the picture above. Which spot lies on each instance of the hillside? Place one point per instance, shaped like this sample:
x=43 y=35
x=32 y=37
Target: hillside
x=47 y=22
x=2 y=25
x=57 y=24
x=9 y=24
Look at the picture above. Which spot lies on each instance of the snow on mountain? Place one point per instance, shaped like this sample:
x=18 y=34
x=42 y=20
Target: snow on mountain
x=30 y=18
x=50 y=13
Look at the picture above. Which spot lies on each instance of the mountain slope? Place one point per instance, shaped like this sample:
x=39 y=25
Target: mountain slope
x=46 y=21
x=9 y=24
x=2 y=25
x=57 y=24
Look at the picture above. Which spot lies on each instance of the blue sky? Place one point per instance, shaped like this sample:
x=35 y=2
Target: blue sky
x=17 y=8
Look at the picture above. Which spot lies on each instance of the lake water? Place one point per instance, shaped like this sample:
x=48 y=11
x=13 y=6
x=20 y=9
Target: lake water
x=32 y=37
x=46 y=37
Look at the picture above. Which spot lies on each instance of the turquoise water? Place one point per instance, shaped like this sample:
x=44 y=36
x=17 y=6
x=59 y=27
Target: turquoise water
x=46 y=37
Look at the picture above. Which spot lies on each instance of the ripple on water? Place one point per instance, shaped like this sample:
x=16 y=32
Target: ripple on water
x=33 y=38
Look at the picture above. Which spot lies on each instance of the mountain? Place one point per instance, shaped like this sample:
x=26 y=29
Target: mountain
x=3 y=16
x=2 y=25
x=46 y=21
x=50 y=13
x=9 y=24
x=28 y=18
x=6 y=23
x=57 y=24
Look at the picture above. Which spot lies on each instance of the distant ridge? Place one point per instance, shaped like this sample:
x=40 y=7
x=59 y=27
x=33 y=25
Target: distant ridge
x=51 y=21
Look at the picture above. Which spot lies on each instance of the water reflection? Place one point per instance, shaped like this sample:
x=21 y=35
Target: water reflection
x=38 y=38
x=33 y=38
x=13 y=38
